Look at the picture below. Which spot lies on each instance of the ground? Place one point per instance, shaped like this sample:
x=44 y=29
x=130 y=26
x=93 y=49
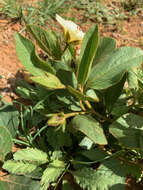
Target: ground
x=9 y=64
x=129 y=33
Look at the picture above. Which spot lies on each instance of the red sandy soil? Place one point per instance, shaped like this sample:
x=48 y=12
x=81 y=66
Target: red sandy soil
x=9 y=64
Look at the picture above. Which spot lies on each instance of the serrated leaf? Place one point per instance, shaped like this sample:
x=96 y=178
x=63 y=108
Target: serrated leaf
x=36 y=174
x=24 y=50
x=12 y=182
x=109 y=71
x=9 y=118
x=49 y=81
x=90 y=127
x=105 y=48
x=46 y=40
x=88 y=50
x=31 y=155
x=56 y=155
x=5 y=142
x=18 y=167
x=103 y=178
x=110 y=175
x=128 y=129
x=52 y=173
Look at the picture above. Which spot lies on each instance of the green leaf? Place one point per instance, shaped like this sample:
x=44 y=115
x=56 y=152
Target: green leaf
x=68 y=99
x=44 y=65
x=66 y=185
x=112 y=93
x=36 y=174
x=133 y=79
x=18 y=167
x=9 y=118
x=121 y=168
x=133 y=170
x=95 y=154
x=67 y=57
x=88 y=50
x=31 y=155
x=58 y=138
x=56 y=155
x=60 y=65
x=67 y=78
x=91 y=94
x=90 y=127
x=24 y=50
x=49 y=81
x=103 y=178
x=86 y=143
x=46 y=40
x=52 y=173
x=41 y=93
x=109 y=71
x=23 y=92
x=110 y=175
x=5 y=142
x=128 y=129
x=12 y=182
x=120 y=107
x=105 y=48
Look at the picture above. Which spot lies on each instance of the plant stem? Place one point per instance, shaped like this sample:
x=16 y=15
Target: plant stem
x=66 y=169
x=88 y=104
x=131 y=162
x=65 y=48
x=73 y=114
x=82 y=106
x=20 y=142
x=93 y=111
x=100 y=160
x=40 y=131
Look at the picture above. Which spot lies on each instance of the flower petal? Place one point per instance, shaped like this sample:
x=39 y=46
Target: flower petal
x=71 y=30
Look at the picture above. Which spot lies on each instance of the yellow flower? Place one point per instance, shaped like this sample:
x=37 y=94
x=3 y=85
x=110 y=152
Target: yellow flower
x=72 y=32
